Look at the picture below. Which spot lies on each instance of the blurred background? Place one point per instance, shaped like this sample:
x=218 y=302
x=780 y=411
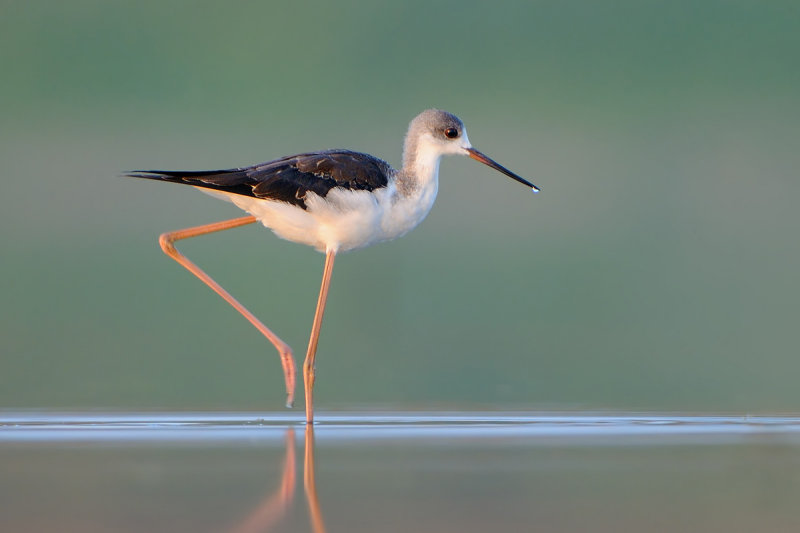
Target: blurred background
x=657 y=270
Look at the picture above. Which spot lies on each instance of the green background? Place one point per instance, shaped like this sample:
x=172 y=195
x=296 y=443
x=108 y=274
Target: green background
x=657 y=270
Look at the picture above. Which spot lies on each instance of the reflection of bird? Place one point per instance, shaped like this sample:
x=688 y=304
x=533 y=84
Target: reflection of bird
x=276 y=504
x=335 y=200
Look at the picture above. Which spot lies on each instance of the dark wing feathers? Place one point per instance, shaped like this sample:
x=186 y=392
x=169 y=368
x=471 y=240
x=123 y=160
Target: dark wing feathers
x=287 y=179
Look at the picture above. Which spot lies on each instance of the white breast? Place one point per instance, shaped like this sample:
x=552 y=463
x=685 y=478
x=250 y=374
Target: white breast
x=343 y=220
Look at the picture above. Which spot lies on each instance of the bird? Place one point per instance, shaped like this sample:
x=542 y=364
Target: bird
x=332 y=200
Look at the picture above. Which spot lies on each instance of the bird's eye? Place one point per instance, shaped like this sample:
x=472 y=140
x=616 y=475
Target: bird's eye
x=451 y=133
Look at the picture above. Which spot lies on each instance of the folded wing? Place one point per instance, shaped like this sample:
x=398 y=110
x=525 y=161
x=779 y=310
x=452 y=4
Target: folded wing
x=288 y=179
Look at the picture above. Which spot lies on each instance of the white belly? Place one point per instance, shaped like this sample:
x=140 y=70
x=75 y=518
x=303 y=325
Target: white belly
x=343 y=220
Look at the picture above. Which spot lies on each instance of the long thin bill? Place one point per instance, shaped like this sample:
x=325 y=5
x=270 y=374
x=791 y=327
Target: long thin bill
x=477 y=156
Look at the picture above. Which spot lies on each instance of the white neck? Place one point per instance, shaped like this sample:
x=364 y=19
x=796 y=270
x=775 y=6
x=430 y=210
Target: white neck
x=420 y=170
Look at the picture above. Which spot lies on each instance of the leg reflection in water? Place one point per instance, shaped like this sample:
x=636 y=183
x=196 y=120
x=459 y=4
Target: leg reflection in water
x=317 y=525
x=276 y=504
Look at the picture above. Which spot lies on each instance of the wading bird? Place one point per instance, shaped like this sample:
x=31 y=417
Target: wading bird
x=335 y=201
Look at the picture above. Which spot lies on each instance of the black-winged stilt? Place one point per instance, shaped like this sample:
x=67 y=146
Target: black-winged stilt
x=335 y=201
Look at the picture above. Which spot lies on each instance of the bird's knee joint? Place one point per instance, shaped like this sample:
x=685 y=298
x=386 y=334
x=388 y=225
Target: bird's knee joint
x=165 y=240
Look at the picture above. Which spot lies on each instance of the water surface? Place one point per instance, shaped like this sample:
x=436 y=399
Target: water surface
x=397 y=472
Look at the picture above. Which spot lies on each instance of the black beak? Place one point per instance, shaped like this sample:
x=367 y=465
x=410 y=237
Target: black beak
x=477 y=156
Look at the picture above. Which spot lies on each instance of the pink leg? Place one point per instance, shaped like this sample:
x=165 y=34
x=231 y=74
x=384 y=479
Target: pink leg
x=308 y=365
x=167 y=239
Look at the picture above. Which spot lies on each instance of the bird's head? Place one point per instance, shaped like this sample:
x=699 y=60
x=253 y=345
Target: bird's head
x=444 y=133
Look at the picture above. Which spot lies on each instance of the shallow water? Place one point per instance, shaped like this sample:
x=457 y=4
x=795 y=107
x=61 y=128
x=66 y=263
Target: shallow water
x=397 y=472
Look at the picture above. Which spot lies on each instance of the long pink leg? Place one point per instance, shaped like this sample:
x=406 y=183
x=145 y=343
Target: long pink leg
x=167 y=239
x=308 y=365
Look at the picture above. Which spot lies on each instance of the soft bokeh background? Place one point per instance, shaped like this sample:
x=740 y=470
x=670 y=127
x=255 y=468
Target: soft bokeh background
x=658 y=269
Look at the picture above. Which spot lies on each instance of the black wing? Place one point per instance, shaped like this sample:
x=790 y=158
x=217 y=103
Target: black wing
x=287 y=179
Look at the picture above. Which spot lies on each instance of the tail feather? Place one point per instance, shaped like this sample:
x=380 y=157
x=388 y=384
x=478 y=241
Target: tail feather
x=233 y=180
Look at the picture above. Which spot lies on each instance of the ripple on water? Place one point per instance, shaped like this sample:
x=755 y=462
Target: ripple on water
x=572 y=428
